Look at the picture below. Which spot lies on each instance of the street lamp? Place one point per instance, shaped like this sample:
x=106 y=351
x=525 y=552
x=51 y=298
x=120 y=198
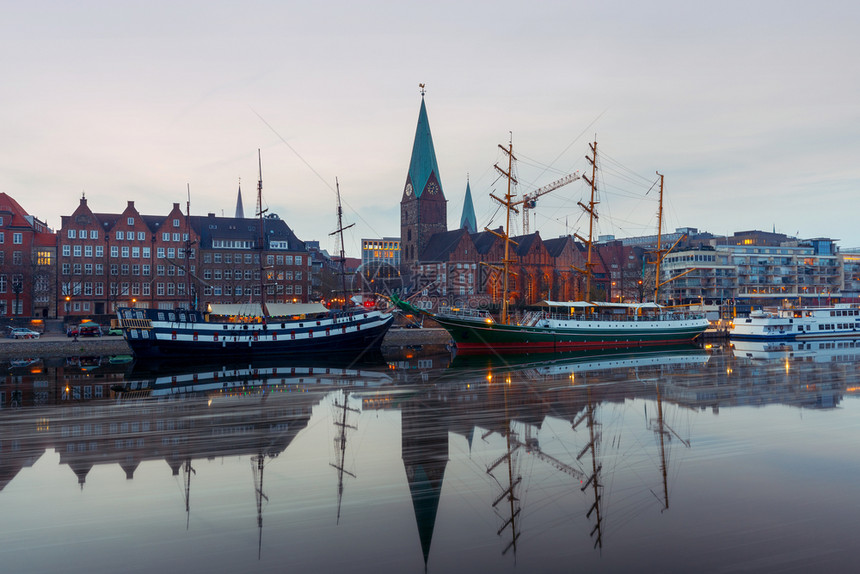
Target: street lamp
x=17 y=288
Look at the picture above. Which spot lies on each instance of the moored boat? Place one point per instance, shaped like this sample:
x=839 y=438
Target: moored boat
x=841 y=320
x=570 y=326
x=243 y=331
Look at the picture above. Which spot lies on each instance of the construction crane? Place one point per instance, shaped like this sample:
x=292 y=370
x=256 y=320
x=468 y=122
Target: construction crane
x=529 y=200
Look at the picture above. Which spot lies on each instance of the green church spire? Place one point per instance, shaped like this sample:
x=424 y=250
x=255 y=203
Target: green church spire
x=468 y=220
x=423 y=169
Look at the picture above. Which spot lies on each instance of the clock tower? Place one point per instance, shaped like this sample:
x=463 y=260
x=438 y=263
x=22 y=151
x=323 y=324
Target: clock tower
x=423 y=207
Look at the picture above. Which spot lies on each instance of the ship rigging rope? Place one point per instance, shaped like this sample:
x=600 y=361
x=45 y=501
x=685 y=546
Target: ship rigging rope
x=315 y=172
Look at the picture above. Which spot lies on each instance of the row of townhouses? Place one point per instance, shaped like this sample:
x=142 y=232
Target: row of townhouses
x=97 y=262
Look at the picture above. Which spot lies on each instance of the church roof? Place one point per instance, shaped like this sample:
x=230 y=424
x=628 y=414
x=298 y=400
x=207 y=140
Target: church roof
x=468 y=220
x=556 y=245
x=423 y=162
x=524 y=243
x=485 y=240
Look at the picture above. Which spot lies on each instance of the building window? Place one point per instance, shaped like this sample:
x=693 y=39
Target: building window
x=160 y=253
x=88 y=250
x=100 y=251
x=43 y=257
x=141 y=236
x=72 y=233
x=67 y=250
x=146 y=253
x=114 y=251
x=135 y=252
x=77 y=250
x=120 y=235
x=125 y=251
x=94 y=233
x=175 y=223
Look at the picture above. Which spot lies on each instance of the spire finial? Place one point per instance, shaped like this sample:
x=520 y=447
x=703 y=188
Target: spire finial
x=423 y=91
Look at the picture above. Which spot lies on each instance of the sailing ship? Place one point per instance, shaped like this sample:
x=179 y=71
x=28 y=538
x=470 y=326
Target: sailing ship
x=254 y=329
x=567 y=325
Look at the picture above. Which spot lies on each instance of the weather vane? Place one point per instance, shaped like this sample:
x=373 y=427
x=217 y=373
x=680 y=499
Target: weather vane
x=422 y=89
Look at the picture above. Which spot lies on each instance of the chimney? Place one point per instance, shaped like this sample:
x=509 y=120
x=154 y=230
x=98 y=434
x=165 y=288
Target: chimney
x=131 y=204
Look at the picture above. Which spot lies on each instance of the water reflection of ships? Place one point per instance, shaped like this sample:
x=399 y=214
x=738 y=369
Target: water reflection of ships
x=818 y=350
x=513 y=403
x=230 y=380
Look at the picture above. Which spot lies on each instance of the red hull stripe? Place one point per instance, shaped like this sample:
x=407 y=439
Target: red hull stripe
x=551 y=347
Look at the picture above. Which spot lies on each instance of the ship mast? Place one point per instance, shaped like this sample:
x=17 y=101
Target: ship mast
x=510 y=206
x=592 y=217
x=340 y=229
x=659 y=243
x=188 y=283
x=260 y=212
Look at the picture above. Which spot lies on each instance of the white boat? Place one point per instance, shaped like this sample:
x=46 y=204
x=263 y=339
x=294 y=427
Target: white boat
x=841 y=320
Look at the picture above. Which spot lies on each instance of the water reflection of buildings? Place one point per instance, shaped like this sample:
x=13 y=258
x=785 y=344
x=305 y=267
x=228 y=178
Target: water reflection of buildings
x=176 y=418
x=499 y=408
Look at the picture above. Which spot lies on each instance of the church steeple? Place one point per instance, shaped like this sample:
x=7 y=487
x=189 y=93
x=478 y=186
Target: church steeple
x=240 y=211
x=468 y=220
x=423 y=207
x=423 y=174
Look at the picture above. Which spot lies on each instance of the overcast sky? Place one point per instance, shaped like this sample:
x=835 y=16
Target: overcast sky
x=750 y=109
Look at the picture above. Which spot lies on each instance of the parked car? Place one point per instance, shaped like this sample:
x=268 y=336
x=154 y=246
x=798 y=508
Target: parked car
x=85 y=329
x=22 y=333
x=114 y=331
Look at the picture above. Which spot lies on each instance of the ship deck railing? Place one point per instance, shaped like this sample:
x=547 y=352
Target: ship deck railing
x=466 y=313
x=582 y=317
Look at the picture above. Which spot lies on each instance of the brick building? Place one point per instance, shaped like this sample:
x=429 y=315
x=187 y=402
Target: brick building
x=27 y=257
x=108 y=260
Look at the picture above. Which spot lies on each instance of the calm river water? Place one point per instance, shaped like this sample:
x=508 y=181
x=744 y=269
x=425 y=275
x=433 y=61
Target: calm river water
x=739 y=459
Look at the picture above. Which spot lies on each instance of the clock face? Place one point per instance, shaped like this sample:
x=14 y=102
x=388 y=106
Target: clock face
x=433 y=188
x=408 y=189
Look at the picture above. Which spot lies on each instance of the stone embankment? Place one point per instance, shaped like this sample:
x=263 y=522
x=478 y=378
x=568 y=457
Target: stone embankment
x=56 y=345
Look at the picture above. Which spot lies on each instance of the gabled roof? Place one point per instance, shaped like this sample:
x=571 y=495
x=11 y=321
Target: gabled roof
x=423 y=162
x=441 y=244
x=525 y=242
x=485 y=240
x=19 y=216
x=468 y=220
x=556 y=245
